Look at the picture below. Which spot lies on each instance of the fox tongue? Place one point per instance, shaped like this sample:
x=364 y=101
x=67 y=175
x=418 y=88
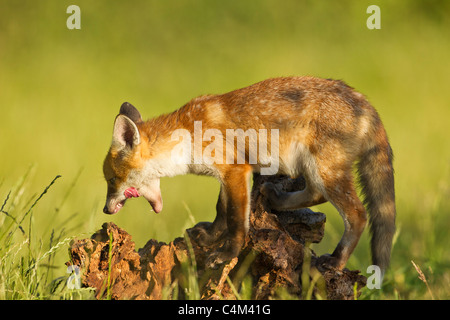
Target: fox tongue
x=155 y=202
x=131 y=193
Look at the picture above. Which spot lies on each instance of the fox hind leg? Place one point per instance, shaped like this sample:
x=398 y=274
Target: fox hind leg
x=321 y=186
x=281 y=200
x=342 y=194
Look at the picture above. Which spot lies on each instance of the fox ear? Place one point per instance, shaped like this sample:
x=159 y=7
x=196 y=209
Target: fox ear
x=125 y=133
x=127 y=109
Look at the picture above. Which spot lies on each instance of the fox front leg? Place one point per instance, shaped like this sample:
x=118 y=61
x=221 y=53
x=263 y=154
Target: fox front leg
x=206 y=234
x=236 y=196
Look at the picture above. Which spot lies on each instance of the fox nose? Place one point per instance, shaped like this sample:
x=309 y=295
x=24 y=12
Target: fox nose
x=105 y=209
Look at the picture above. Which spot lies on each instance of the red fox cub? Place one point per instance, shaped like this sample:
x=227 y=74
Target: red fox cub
x=313 y=127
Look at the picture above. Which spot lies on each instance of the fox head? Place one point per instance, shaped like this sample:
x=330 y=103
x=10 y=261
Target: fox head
x=124 y=166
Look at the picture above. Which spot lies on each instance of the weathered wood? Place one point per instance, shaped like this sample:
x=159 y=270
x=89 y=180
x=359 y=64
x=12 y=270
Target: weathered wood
x=275 y=256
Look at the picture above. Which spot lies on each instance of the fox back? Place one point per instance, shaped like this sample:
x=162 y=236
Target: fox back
x=318 y=128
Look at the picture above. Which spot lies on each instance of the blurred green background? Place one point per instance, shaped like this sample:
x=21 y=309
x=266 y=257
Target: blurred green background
x=61 y=89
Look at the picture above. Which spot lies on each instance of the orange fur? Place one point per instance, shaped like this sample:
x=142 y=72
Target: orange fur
x=324 y=127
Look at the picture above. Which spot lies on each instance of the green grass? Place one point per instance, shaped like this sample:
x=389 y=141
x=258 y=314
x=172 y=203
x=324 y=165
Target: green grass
x=27 y=261
x=61 y=89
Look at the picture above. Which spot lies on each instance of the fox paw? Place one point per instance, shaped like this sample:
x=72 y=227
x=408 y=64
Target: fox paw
x=272 y=192
x=226 y=253
x=216 y=259
x=328 y=261
x=200 y=235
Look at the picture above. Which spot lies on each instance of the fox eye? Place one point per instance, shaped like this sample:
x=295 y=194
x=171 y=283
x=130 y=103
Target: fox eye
x=112 y=180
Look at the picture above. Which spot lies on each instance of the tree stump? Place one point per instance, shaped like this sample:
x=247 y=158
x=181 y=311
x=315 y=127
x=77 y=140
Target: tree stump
x=276 y=260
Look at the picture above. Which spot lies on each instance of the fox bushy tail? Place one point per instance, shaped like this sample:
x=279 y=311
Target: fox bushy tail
x=376 y=177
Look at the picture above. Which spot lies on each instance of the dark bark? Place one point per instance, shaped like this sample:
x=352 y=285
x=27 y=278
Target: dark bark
x=276 y=256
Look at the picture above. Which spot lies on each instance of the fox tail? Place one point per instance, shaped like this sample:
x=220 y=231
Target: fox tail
x=376 y=177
